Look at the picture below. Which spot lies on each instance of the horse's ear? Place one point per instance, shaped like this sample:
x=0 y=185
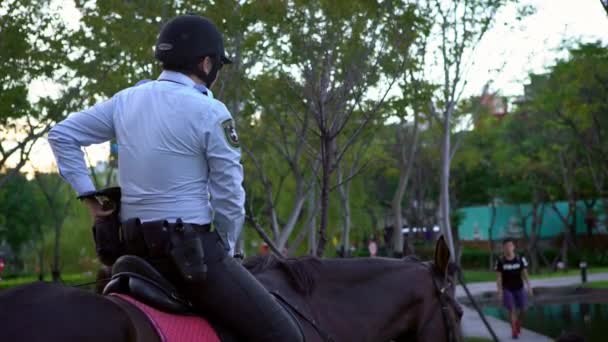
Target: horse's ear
x=442 y=255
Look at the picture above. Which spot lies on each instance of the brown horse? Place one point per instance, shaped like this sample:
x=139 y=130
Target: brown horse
x=367 y=299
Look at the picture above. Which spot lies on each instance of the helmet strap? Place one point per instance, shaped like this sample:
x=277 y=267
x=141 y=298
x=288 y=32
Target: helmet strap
x=209 y=78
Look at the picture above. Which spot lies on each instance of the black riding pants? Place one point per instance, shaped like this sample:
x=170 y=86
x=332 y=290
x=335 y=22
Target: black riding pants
x=233 y=297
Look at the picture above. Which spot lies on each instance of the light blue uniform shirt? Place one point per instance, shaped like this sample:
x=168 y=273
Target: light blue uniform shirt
x=178 y=153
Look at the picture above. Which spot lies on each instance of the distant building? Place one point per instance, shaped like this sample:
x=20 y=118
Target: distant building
x=536 y=83
x=508 y=221
x=496 y=104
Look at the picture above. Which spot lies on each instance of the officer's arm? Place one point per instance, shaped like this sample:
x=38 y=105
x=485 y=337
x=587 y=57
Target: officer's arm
x=91 y=126
x=225 y=179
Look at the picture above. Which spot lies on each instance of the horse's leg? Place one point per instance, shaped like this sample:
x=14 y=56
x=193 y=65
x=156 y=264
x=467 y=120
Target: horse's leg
x=46 y=312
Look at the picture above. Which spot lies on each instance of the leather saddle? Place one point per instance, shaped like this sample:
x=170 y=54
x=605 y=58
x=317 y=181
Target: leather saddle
x=133 y=276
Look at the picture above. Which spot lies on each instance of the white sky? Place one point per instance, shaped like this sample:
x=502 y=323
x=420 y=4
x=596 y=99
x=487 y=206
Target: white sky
x=506 y=55
x=532 y=45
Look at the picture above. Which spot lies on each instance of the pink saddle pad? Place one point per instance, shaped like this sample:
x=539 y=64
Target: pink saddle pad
x=175 y=328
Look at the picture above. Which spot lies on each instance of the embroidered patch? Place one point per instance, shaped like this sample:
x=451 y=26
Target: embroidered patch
x=230 y=133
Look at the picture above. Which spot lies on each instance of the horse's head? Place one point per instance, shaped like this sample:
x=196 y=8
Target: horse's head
x=441 y=313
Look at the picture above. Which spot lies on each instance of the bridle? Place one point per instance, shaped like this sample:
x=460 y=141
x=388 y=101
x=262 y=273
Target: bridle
x=445 y=301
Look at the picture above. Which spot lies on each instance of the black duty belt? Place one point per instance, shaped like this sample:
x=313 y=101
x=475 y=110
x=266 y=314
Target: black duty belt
x=152 y=238
x=201 y=228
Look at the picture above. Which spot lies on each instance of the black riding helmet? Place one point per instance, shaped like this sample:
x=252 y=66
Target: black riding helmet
x=185 y=39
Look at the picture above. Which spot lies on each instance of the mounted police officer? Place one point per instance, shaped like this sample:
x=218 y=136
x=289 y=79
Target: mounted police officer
x=179 y=173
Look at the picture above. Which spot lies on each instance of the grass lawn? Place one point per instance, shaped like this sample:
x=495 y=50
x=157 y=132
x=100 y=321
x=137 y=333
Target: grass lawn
x=597 y=285
x=69 y=279
x=471 y=276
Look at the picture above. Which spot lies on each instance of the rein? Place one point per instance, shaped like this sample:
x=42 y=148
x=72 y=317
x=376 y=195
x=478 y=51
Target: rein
x=325 y=337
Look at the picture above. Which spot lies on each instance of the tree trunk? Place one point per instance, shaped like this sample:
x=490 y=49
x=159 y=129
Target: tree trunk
x=312 y=221
x=572 y=226
x=406 y=162
x=605 y=206
x=293 y=218
x=302 y=235
x=397 y=238
x=564 y=250
x=343 y=190
x=569 y=220
x=41 y=264
x=326 y=154
x=109 y=176
x=373 y=219
x=532 y=246
x=566 y=233
x=490 y=233
x=56 y=273
x=445 y=185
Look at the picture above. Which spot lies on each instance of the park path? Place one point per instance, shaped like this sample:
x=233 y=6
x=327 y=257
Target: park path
x=472 y=325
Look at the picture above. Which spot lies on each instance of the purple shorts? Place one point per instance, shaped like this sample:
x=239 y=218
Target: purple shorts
x=514 y=299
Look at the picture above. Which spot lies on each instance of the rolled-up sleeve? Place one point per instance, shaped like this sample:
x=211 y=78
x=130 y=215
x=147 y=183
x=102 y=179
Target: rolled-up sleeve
x=91 y=126
x=225 y=178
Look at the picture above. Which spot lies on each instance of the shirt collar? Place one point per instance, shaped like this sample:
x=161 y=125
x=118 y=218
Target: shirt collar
x=178 y=77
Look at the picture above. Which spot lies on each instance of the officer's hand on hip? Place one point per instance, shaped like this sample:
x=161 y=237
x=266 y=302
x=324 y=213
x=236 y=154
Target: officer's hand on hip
x=95 y=208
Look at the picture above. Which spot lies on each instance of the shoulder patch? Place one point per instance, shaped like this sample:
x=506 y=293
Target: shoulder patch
x=230 y=133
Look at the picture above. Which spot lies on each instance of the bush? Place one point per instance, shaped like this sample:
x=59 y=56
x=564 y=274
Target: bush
x=474 y=258
x=593 y=257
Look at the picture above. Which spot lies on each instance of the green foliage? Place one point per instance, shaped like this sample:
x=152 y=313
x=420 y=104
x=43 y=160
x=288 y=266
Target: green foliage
x=27 y=225
x=23 y=212
x=550 y=145
x=31 y=37
x=597 y=285
x=567 y=113
x=474 y=258
x=77 y=244
x=68 y=279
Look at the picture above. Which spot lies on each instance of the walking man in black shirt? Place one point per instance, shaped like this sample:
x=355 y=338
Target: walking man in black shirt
x=512 y=272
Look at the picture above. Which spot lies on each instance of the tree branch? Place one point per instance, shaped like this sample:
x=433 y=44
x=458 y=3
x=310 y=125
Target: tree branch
x=258 y=228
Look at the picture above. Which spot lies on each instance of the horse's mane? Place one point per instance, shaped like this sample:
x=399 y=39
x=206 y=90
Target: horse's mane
x=302 y=272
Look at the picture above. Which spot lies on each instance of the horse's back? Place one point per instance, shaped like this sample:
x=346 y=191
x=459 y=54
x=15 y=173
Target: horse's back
x=49 y=312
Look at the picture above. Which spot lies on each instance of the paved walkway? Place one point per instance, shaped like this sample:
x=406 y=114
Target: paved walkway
x=472 y=325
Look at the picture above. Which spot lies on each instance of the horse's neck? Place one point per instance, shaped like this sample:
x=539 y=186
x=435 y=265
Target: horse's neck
x=369 y=294
x=356 y=299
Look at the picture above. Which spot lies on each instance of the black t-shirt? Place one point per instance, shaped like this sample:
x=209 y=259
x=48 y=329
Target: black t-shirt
x=511 y=272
